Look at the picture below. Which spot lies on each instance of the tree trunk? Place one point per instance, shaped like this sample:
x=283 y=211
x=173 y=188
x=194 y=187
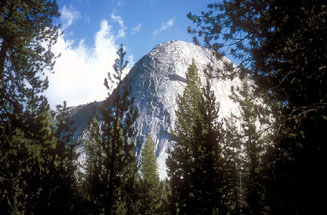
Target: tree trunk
x=3 y=52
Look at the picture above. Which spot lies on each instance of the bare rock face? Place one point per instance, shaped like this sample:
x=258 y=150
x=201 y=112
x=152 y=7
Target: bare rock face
x=156 y=80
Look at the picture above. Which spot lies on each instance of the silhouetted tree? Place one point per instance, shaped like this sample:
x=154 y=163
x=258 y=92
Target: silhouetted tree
x=282 y=45
x=26 y=132
x=112 y=166
x=195 y=163
x=256 y=136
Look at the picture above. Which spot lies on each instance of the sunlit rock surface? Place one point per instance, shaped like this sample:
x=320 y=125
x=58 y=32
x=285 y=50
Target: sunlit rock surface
x=156 y=80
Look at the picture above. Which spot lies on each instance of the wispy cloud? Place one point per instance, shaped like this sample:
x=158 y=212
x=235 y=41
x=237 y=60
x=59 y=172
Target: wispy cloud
x=164 y=26
x=136 y=29
x=80 y=70
x=68 y=16
x=119 y=20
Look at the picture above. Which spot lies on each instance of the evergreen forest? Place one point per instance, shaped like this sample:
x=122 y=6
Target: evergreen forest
x=272 y=162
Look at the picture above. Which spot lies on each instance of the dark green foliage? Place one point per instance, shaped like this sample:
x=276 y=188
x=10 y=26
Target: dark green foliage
x=40 y=167
x=92 y=185
x=25 y=156
x=65 y=188
x=179 y=162
x=26 y=36
x=195 y=164
x=32 y=174
x=283 y=47
x=165 y=194
x=255 y=139
x=233 y=166
x=111 y=164
x=150 y=192
x=52 y=187
x=149 y=164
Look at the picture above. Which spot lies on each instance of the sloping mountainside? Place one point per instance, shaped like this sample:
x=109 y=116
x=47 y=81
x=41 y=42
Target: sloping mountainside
x=156 y=80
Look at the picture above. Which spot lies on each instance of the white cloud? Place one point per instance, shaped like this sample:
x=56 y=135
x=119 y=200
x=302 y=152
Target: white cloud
x=80 y=71
x=68 y=16
x=136 y=29
x=119 y=20
x=164 y=26
x=130 y=62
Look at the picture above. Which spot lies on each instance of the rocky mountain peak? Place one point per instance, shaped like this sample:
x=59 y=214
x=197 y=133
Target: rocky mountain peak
x=156 y=80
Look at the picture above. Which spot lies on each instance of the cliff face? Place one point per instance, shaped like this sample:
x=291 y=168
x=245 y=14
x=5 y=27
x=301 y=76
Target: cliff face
x=156 y=80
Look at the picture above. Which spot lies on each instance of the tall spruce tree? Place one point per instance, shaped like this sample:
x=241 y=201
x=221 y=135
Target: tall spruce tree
x=256 y=135
x=112 y=176
x=26 y=134
x=35 y=172
x=195 y=164
x=94 y=176
x=283 y=46
x=65 y=195
x=150 y=183
x=53 y=186
x=92 y=186
x=232 y=151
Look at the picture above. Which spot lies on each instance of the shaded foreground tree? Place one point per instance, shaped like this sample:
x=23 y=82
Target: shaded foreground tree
x=51 y=183
x=255 y=138
x=26 y=35
x=64 y=184
x=282 y=45
x=111 y=161
x=196 y=163
x=32 y=173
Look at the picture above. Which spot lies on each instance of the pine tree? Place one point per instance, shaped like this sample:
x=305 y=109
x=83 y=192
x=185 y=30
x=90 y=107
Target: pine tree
x=92 y=186
x=255 y=139
x=180 y=159
x=195 y=165
x=113 y=169
x=65 y=196
x=27 y=33
x=26 y=133
x=233 y=166
x=53 y=186
x=282 y=46
x=94 y=177
x=150 y=183
x=30 y=162
x=165 y=192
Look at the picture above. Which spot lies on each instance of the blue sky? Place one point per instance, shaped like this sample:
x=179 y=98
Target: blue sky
x=94 y=29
